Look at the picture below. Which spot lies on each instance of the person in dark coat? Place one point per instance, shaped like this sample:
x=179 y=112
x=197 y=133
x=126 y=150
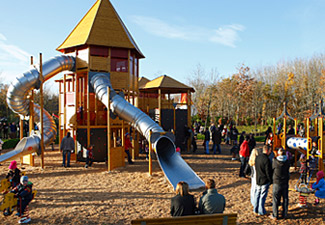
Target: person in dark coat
x=242 y=137
x=251 y=142
x=183 y=203
x=263 y=180
x=206 y=141
x=24 y=194
x=281 y=166
x=267 y=132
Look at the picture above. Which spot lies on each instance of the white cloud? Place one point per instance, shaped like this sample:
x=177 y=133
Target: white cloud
x=13 y=60
x=226 y=35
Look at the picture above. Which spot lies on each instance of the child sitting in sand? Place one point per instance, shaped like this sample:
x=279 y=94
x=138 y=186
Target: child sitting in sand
x=319 y=186
x=90 y=158
x=14 y=174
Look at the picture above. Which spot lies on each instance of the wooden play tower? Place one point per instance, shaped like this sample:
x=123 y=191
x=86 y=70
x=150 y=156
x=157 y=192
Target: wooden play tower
x=101 y=43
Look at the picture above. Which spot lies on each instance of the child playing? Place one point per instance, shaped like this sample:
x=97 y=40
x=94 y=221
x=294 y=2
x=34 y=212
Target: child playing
x=90 y=158
x=303 y=168
x=14 y=174
x=319 y=186
x=23 y=192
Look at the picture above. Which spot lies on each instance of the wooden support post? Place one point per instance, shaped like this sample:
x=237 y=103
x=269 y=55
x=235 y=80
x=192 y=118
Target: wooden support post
x=108 y=133
x=64 y=105
x=188 y=102
x=42 y=111
x=320 y=143
x=159 y=105
x=150 y=150
x=123 y=141
x=296 y=126
x=88 y=109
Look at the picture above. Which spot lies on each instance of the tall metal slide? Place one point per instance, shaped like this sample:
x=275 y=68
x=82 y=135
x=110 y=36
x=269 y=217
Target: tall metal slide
x=172 y=164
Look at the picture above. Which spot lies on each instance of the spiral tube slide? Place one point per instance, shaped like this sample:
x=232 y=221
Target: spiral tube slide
x=18 y=101
x=172 y=164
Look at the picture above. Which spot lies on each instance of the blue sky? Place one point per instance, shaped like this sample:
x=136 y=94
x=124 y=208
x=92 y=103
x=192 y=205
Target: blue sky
x=174 y=36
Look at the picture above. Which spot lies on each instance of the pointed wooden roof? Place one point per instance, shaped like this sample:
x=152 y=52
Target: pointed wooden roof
x=101 y=26
x=166 y=84
x=142 y=82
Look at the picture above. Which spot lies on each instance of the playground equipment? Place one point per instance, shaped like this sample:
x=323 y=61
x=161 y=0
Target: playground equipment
x=96 y=67
x=300 y=144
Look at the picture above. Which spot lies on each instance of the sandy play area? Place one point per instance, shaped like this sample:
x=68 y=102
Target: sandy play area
x=92 y=196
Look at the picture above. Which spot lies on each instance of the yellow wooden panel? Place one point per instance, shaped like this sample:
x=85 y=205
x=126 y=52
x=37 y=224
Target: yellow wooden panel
x=117 y=157
x=98 y=63
x=119 y=80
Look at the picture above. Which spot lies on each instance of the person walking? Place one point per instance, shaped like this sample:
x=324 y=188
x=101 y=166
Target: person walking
x=243 y=155
x=67 y=145
x=263 y=180
x=280 y=168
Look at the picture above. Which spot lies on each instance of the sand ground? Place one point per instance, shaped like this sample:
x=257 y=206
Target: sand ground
x=93 y=196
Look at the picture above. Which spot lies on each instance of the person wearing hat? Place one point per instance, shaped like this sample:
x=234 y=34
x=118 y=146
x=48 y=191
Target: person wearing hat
x=14 y=174
x=24 y=194
x=319 y=186
x=281 y=166
x=128 y=147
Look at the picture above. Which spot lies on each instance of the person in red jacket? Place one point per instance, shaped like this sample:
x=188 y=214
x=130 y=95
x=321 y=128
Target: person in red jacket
x=128 y=147
x=243 y=155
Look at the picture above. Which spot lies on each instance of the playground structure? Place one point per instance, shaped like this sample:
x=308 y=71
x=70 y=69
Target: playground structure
x=95 y=98
x=301 y=144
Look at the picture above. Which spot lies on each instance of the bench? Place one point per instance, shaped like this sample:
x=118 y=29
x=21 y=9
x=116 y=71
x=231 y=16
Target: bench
x=211 y=219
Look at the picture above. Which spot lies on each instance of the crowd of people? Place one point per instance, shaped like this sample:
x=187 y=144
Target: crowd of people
x=10 y=130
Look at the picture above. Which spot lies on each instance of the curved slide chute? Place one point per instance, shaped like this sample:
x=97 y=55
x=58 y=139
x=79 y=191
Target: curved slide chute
x=172 y=164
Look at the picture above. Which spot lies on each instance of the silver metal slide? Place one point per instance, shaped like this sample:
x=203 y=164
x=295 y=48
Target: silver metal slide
x=172 y=164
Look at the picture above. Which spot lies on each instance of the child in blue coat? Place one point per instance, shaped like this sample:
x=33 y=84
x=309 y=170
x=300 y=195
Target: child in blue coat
x=319 y=186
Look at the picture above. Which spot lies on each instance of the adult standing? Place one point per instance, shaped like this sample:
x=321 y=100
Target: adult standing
x=206 y=140
x=251 y=142
x=214 y=138
x=218 y=141
x=267 y=133
x=128 y=147
x=5 y=130
x=211 y=201
x=13 y=130
x=263 y=180
x=67 y=145
x=280 y=168
x=251 y=162
x=243 y=155
x=183 y=203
